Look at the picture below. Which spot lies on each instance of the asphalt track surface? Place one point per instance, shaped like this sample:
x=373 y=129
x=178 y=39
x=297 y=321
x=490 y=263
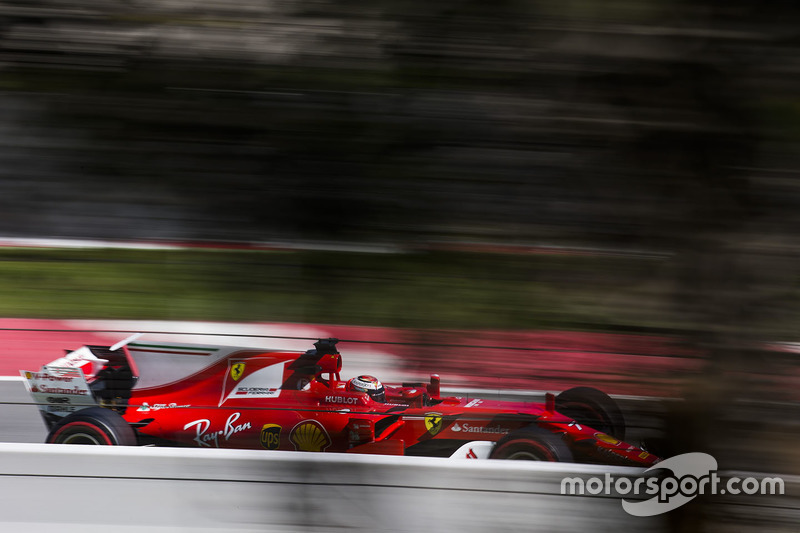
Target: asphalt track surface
x=21 y=421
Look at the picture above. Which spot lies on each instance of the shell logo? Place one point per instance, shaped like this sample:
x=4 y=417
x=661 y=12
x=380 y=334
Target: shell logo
x=309 y=436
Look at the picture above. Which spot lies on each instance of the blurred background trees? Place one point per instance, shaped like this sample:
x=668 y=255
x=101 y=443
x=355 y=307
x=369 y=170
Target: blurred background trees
x=596 y=124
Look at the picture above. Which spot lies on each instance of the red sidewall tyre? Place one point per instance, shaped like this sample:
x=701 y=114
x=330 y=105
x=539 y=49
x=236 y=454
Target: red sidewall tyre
x=79 y=433
x=593 y=408
x=94 y=425
x=532 y=444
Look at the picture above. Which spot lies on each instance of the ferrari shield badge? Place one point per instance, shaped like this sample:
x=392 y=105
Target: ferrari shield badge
x=236 y=371
x=433 y=423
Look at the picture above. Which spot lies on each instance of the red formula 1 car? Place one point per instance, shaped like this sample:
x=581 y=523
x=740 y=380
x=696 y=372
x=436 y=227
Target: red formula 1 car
x=225 y=397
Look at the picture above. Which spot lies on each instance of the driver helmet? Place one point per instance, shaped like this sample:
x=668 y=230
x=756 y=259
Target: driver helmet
x=370 y=385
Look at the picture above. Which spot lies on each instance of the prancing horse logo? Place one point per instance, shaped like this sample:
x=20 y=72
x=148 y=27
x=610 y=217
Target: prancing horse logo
x=237 y=370
x=433 y=422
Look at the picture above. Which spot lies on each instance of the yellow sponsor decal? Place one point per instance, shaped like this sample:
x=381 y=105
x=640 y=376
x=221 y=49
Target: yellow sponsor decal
x=608 y=439
x=237 y=370
x=433 y=423
x=644 y=455
x=271 y=436
x=309 y=436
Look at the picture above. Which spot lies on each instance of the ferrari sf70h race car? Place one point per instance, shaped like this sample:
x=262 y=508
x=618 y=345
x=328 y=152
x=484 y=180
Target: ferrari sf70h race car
x=169 y=394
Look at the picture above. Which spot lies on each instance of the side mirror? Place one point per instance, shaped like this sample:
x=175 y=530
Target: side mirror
x=434 y=386
x=329 y=364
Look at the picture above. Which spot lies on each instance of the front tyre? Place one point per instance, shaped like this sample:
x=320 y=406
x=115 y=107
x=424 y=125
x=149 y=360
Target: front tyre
x=94 y=425
x=593 y=408
x=532 y=443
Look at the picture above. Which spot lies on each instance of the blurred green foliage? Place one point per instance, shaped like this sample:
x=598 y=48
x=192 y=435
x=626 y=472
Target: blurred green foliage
x=424 y=290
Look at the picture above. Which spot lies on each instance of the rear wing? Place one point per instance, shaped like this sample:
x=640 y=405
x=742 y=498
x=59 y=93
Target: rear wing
x=86 y=377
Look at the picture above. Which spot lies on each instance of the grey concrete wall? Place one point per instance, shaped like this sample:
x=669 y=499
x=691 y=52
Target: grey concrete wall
x=86 y=489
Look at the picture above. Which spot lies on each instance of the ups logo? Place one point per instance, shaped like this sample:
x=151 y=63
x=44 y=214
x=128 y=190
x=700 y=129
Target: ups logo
x=271 y=436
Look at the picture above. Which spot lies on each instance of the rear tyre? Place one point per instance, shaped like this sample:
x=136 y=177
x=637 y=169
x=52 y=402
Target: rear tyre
x=94 y=425
x=593 y=408
x=532 y=444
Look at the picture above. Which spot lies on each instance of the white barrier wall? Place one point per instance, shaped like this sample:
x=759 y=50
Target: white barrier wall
x=112 y=489
x=48 y=488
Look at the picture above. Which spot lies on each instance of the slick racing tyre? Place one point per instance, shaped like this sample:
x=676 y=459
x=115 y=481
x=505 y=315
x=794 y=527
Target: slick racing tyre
x=593 y=408
x=94 y=425
x=532 y=444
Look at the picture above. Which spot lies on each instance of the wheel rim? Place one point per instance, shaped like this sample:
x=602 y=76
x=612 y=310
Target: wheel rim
x=81 y=432
x=81 y=438
x=524 y=455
